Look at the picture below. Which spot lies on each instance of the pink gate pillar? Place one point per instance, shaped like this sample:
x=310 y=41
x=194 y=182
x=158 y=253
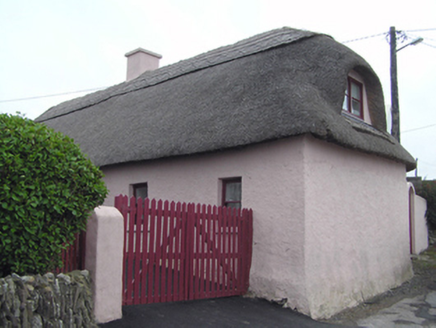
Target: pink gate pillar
x=104 y=260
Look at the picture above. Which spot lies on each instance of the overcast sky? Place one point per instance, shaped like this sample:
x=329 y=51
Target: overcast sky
x=54 y=47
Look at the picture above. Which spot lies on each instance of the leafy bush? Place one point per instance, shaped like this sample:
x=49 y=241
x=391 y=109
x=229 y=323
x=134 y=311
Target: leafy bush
x=48 y=189
x=428 y=191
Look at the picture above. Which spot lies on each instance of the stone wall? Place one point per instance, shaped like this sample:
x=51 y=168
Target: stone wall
x=49 y=301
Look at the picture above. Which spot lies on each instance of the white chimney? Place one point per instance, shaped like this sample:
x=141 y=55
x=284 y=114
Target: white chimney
x=139 y=61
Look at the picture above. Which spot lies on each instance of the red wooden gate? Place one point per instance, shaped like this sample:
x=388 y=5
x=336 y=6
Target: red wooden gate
x=178 y=251
x=73 y=258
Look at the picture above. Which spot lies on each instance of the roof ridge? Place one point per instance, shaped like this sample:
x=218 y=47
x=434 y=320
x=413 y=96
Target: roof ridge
x=246 y=47
x=215 y=54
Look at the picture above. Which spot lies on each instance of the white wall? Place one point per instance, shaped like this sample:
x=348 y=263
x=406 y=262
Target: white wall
x=357 y=239
x=272 y=186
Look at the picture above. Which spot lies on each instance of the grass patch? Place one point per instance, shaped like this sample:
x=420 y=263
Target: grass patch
x=426 y=260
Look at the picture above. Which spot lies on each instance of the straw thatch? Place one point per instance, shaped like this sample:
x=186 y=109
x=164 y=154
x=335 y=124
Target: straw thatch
x=278 y=84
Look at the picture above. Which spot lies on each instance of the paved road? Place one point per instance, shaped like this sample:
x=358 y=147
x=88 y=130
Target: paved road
x=223 y=312
x=414 y=312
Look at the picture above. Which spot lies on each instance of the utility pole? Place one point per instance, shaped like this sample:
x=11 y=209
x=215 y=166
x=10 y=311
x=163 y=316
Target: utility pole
x=395 y=110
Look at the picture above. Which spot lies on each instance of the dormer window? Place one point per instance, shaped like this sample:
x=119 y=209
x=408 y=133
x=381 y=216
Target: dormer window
x=353 y=101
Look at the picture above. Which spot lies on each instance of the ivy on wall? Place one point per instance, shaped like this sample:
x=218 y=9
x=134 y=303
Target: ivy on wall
x=428 y=191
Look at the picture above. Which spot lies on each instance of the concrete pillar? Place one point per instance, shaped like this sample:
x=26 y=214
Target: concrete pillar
x=104 y=260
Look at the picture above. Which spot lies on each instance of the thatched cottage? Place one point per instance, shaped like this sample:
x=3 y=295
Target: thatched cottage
x=289 y=123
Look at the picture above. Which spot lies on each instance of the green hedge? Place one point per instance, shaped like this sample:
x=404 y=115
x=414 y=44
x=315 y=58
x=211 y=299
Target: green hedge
x=48 y=189
x=428 y=191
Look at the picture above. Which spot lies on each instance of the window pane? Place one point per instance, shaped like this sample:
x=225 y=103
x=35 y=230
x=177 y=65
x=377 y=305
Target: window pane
x=345 y=104
x=233 y=191
x=355 y=91
x=233 y=205
x=141 y=192
x=355 y=104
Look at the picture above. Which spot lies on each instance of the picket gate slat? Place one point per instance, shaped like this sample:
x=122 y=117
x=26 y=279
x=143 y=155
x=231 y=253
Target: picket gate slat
x=137 y=251
x=189 y=271
x=178 y=251
x=208 y=255
x=214 y=233
x=198 y=244
x=145 y=251
x=130 y=252
x=158 y=239
x=163 y=257
x=152 y=252
x=226 y=263
x=183 y=253
x=220 y=250
x=171 y=282
x=178 y=289
x=235 y=253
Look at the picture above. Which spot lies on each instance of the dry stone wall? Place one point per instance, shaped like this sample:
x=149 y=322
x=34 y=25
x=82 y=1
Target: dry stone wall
x=49 y=301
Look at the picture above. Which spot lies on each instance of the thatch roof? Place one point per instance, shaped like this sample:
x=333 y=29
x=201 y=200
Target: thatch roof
x=278 y=84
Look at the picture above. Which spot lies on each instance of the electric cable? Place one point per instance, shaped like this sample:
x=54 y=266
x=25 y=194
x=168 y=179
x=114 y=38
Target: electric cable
x=52 y=95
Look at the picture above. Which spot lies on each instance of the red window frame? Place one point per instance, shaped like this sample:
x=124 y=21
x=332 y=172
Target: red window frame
x=233 y=203
x=348 y=101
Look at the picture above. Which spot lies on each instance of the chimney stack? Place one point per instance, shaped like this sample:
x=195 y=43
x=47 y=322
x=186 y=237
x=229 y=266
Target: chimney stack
x=139 y=61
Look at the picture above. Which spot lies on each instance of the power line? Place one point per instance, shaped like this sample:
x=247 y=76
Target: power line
x=420 y=128
x=432 y=39
x=422 y=30
x=427 y=163
x=364 y=38
x=95 y=89
x=384 y=33
x=429 y=45
x=52 y=95
x=426 y=39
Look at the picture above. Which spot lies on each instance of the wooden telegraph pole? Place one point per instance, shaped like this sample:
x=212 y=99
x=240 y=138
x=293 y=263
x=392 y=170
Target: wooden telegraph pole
x=395 y=110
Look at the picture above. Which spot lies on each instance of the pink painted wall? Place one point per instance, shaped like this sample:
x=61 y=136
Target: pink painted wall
x=357 y=241
x=418 y=222
x=104 y=260
x=421 y=229
x=139 y=61
x=271 y=185
x=330 y=224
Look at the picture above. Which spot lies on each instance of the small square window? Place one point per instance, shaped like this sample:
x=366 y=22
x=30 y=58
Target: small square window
x=353 y=100
x=232 y=192
x=140 y=190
